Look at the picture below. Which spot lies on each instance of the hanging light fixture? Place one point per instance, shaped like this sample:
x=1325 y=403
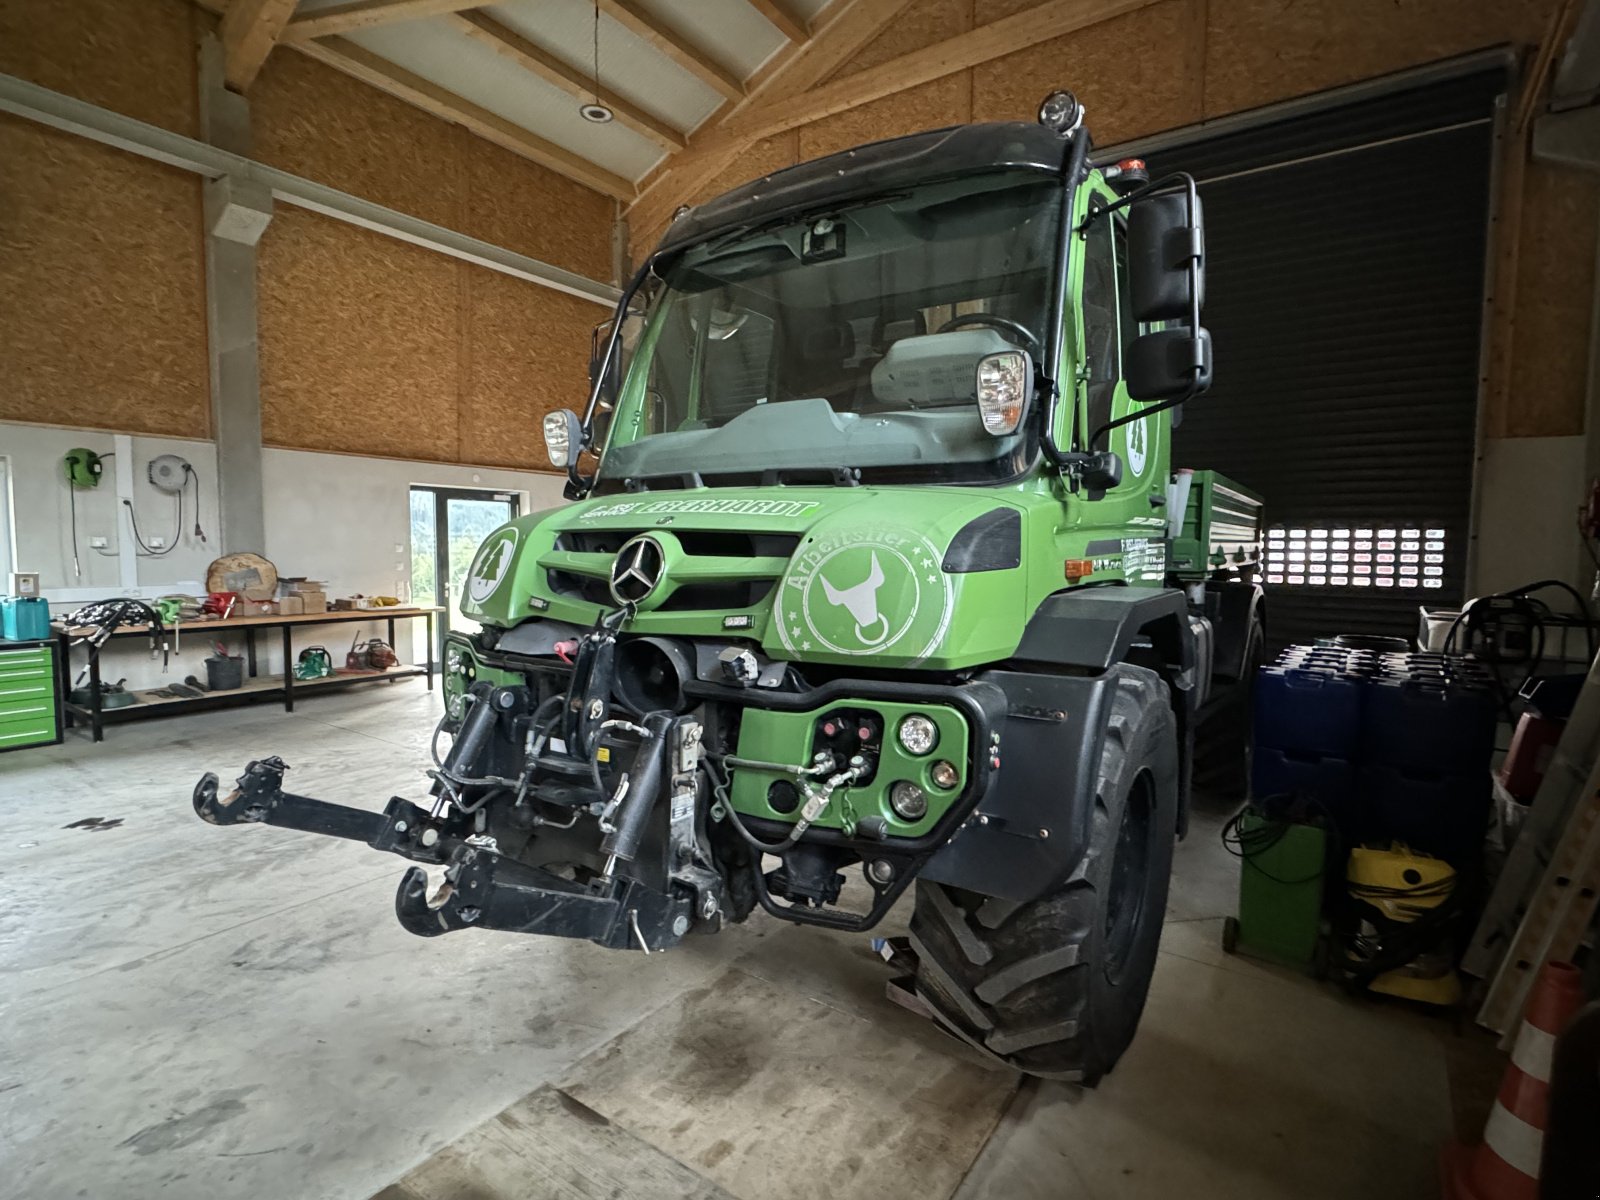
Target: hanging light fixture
x=600 y=114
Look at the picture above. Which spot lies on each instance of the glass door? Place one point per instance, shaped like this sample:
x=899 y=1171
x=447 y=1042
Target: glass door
x=447 y=527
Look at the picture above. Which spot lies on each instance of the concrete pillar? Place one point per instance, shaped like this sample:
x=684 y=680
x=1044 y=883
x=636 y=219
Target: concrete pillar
x=237 y=212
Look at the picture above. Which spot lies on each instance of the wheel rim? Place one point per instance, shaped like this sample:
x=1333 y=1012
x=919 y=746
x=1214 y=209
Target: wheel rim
x=1130 y=877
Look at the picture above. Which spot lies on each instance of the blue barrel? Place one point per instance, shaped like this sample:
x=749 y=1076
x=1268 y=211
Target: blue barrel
x=1310 y=713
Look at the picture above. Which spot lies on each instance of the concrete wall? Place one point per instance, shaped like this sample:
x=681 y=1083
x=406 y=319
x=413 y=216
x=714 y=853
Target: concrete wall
x=340 y=518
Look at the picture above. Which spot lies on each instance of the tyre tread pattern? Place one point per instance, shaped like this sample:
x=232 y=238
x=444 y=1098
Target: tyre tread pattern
x=1013 y=978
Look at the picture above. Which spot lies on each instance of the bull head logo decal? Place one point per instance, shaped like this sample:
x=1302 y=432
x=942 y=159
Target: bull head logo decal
x=861 y=602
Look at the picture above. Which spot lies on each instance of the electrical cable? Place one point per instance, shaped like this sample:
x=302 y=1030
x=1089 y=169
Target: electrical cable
x=72 y=494
x=1250 y=844
x=177 y=530
x=188 y=473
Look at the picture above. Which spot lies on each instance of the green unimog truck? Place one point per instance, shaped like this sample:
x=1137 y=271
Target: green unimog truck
x=877 y=562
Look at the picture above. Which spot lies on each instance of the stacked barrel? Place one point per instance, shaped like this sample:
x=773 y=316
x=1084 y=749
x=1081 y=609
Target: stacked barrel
x=1395 y=747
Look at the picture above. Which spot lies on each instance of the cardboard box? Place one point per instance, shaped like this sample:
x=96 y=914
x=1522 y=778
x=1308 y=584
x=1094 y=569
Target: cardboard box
x=313 y=602
x=291 y=606
x=255 y=608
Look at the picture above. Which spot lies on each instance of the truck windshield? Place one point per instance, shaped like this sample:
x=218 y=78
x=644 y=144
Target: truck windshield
x=845 y=339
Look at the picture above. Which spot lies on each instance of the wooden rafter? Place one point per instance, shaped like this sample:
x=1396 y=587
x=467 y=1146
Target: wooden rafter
x=250 y=29
x=1041 y=23
x=365 y=14
x=484 y=29
x=635 y=19
x=775 y=111
x=371 y=68
x=838 y=32
x=784 y=21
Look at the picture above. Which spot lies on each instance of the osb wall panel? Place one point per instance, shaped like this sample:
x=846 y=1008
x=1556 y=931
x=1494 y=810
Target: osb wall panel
x=923 y=23
x=358 y=341
x=321 y=123
x=101 y=287
x=1135 y=74
x=1260 y=51
x=1553 y=294
x=134 y=57
x=525 y=352
x=946 y=101
x=519 y=205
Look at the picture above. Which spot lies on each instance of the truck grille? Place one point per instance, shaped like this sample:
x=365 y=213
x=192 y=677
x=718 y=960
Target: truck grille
x=753 y=561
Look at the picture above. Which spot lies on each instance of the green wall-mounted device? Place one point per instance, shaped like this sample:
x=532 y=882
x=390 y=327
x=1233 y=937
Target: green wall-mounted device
x=83 y=467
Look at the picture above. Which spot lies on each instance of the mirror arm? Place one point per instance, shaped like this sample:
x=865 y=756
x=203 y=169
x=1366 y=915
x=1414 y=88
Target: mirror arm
x=1139 y=193
x=578 y=485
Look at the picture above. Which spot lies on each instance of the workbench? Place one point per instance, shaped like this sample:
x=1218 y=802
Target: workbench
x=256 y=687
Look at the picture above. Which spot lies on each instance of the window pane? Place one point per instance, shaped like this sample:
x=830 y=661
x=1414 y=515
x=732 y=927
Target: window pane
x=1296 y=556
x=1100 y=333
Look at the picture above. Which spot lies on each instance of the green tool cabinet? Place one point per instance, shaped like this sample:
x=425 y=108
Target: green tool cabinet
x=30 y=695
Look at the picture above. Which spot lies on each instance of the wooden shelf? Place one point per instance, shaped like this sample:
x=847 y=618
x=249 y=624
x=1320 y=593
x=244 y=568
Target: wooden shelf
x=254 y=688
x=146 y=698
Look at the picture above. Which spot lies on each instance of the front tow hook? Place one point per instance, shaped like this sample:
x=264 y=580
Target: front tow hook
x=258 y=798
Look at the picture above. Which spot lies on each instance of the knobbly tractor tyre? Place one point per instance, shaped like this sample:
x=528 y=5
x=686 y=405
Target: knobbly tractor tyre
x=1055 y=986
x=1222 y=739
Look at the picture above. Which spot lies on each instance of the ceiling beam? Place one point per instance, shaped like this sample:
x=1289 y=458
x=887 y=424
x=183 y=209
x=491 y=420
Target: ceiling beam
x=1041 y=23
x=781 y=19
x=633 y=18
x=366 y=14
x=355 y=60
x=250 y=29
x=485 y=30
x=837 y=34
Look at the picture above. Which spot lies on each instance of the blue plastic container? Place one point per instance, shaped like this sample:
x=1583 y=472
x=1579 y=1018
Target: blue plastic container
x=1423 y=724
x=1308 y=712
x=24 y=618
x=1446 y=815
x=1330 y=781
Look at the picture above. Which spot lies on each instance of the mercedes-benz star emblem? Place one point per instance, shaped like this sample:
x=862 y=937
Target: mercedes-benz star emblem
x=637 y=570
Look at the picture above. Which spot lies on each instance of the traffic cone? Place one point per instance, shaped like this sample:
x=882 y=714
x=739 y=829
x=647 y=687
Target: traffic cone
x=1506 y=1165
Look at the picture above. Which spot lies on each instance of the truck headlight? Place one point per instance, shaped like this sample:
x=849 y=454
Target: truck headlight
x=918 y=734
x=1005 y=381
x=563 y=436
x=910 y=803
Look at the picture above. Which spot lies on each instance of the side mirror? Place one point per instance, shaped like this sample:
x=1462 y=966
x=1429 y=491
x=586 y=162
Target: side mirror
x=1168 y=363
x=1163 y=244
x=563 y=437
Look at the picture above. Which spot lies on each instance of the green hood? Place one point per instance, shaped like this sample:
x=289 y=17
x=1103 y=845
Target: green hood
x=853 y=576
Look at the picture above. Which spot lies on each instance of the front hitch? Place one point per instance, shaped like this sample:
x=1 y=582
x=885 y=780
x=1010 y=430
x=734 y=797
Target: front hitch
x=258 y=798
x=482 y=889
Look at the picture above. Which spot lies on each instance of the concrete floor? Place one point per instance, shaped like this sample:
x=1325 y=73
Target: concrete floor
x=194 y=1012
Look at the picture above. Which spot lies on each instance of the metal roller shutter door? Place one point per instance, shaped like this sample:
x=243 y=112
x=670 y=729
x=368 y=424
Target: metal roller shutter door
x=1345 y=296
